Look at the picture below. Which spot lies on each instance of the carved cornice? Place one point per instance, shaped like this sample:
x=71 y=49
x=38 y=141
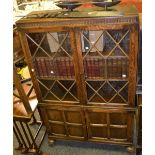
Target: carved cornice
x=77 y=22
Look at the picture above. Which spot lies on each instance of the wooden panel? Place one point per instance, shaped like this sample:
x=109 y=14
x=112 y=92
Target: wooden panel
x=57 y=129
x=54 y=115
x=65 y=121
x=73 y=117
x=118 y=133
x=98 y=118
x=109 y=124
x=99 y=132
x=118 y=118
x=75 y=131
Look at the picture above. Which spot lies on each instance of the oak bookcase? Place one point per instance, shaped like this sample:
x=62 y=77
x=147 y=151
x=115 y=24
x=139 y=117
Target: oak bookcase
x=84 y=73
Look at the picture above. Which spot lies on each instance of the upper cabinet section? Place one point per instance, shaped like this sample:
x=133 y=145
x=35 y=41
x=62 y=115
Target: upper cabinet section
x=84 y=60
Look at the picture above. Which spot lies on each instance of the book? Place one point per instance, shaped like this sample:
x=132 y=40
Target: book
x=124 y=68
x=96 y=67
x=114 y=68
x=43 y=67
x=110 y=68
x=102 y=67
x=39 y=67
x=72 y=72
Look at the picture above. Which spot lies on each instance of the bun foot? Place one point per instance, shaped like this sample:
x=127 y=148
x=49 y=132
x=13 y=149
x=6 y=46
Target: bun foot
x=51 y=141
x=130 y=149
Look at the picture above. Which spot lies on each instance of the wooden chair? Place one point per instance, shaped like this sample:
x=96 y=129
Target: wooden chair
x=24 y=107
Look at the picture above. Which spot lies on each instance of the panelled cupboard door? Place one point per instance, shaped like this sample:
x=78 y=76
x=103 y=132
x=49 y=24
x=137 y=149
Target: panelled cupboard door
x=53 y=66
x=65 y=122
x=111 y=125
x=108 y=63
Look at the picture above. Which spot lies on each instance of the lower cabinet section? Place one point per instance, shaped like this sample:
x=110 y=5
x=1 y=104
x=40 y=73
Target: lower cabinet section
x=109 y=125
x=89 y=123
x=65 y=122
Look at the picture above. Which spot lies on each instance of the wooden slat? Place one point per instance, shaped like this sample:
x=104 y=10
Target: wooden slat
x=21 y=92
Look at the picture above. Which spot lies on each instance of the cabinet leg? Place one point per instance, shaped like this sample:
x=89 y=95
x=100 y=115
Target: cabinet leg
x=130 y=149
x=20 y=147
x=138 y=151
x=50 y=141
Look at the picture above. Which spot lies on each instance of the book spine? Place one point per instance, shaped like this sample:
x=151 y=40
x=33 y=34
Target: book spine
x=85 y=67
x=89 y=68
x=92 y=68
x=40 y=68
x=124 y=68
x=119 y=68
x=36 y=67
x=101 y=69
x=56 y=66
x=44 y=70
x=68 y=65
x=109 y=67
x=60 y=66
x=47 y=67
x=72 y=69
x=127 y=67
x=63 y=66
x=114 y=68
x=97 y=69
x=52 y=71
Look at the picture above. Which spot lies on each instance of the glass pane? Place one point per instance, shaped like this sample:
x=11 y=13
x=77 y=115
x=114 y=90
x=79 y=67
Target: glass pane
x=61 y=90
x=107 y=91
x=49 y=44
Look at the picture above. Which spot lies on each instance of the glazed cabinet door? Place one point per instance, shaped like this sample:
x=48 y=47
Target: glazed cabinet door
x=65 y=122
x=108 y=64
x=109 y=125
x=50 y=56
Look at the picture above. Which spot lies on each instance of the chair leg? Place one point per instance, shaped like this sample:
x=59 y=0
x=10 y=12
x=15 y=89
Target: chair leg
x=25 y=149
x=20 y=147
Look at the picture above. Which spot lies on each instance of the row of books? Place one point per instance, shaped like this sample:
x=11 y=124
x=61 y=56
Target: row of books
x=112 y=67
x=62 y=67
x=117 y=68
x=59 y=67
x=94 y=67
